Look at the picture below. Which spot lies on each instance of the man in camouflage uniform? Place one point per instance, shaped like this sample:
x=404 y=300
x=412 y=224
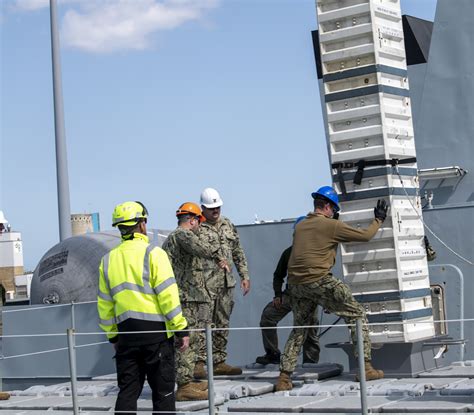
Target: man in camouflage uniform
x=275 y=311
x=186 y=252
x=315 y=243
x=219 y=232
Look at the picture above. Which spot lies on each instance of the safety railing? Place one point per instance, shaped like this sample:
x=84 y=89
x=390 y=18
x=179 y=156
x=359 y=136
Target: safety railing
x=71 y=335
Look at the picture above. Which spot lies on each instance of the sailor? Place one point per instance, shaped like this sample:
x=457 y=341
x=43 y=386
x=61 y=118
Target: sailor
x=277 y=309
x=138 y=293
x=219 y=231
x=185 y=251
x=310 y=280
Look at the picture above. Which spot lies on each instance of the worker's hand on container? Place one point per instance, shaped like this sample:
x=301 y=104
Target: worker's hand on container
x=380 y=211
x=245 y=286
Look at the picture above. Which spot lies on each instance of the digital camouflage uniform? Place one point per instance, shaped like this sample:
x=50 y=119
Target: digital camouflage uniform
x=310 y=281
x=272 y=315
x=186 y=252
x=335 y=297
x=220 y=283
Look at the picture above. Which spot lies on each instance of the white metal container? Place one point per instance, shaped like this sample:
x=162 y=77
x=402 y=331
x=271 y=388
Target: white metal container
x=368 y=110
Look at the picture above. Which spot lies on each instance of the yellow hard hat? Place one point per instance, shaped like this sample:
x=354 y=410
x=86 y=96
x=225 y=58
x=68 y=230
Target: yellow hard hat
x=129 y=213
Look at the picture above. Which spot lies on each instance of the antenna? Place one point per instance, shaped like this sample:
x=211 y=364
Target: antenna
x=64 y=208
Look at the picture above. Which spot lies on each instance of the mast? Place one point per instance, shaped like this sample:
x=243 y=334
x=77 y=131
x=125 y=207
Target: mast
x=64 y=208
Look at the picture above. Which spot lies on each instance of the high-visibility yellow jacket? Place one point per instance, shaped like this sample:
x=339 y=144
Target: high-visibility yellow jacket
x=138 y=292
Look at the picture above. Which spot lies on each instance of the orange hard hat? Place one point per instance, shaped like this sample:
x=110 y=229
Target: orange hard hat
x=190 y=208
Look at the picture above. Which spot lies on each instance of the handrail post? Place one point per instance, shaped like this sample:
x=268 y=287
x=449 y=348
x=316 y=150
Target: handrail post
x=360 y=351
x=210 y=368
x=72 y=367
x=73 y=316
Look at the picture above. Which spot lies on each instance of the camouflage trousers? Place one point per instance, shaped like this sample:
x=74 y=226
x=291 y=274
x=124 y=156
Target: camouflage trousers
x=221 y=309
x=197 y=316
x=334 y=296
x=271 y=316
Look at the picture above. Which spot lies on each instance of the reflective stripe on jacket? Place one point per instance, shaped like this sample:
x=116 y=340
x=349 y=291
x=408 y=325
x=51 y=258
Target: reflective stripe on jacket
x=136 y=281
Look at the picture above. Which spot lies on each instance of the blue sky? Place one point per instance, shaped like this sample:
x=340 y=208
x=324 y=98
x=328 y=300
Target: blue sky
x=162 y=99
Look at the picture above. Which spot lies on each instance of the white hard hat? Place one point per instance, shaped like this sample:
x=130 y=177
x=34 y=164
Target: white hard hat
x=210 y=198
x=3 y=219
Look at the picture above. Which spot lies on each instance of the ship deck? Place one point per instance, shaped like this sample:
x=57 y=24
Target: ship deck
x=317 y=389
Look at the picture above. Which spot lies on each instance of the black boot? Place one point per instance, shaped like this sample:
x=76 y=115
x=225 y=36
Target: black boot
x=268 y=359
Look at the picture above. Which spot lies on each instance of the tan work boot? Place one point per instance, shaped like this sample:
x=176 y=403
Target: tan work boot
x=371 y=373
x=4 y=396
x=199 y=371
x=284 y=382
x=202 y=386
x=189 y=392
x=224 y=369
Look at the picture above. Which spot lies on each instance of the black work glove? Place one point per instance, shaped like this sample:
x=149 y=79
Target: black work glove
x=430 y=252
x=380 y=211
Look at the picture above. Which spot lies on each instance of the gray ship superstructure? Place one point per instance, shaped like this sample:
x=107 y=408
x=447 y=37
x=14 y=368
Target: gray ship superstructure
x=437 y=372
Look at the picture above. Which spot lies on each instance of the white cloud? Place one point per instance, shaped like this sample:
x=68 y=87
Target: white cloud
x=112 y=25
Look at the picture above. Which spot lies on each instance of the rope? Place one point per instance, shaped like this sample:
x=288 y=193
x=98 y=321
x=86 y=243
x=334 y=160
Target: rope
x=426 y=226
x=94 y=333
x=6 y=336
x=50 y=351
x=91 y=344
x=33 y=353
x=383 y=323
x=48 y=306
x=328 y=326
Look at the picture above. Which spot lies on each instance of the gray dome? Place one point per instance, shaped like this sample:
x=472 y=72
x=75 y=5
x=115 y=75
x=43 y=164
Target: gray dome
x=69 y=271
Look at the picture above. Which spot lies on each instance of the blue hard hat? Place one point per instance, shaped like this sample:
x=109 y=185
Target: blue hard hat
x=328 y=193
x=298 y=220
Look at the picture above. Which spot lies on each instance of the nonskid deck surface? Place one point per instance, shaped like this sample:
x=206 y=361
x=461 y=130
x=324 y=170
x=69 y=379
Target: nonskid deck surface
x=317 y=390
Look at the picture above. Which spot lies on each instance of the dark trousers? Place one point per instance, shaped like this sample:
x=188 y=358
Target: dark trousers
x=271 y=316
x=156 y=363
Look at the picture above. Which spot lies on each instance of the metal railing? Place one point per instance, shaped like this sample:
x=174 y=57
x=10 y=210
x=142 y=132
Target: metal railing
x=210 y=378
x=71 y=335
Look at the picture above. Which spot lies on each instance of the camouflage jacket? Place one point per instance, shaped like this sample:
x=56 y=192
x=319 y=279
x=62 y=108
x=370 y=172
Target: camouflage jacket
x=186 y=253
x=223 y=236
